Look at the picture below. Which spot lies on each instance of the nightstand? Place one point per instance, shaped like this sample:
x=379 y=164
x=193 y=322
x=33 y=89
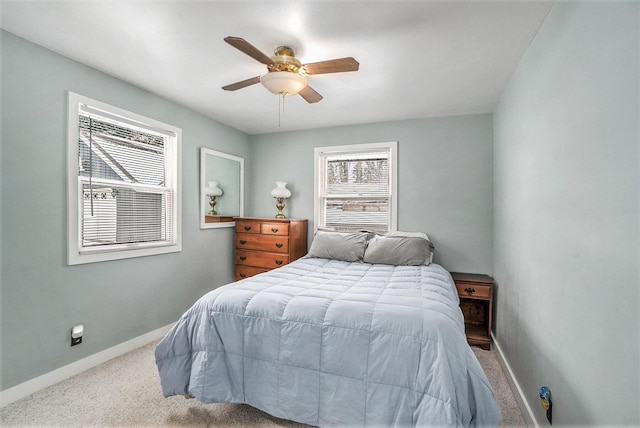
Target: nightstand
x=476 y=301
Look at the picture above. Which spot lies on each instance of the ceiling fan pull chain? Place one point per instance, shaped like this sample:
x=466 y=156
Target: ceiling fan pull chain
x=281 y=107
x=284 y=94
x=279 y=111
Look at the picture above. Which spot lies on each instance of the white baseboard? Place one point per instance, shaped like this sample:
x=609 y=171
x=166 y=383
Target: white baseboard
x=529 y=417
x=27 y=388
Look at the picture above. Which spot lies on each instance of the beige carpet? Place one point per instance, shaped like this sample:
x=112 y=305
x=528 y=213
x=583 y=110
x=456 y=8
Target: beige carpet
x=125 y=392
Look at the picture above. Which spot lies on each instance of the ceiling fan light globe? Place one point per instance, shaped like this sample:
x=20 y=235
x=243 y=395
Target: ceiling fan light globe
x=284 y=82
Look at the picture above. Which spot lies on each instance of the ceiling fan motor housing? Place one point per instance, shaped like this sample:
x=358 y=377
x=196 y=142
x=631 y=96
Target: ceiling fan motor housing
x=284 y=60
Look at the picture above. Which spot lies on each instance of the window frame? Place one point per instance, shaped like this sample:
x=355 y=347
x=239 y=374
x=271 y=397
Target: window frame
x=365 y=148
x=76 y=254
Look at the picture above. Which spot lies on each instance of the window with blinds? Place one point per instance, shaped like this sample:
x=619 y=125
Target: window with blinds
x=125 y=175
x=356 y=187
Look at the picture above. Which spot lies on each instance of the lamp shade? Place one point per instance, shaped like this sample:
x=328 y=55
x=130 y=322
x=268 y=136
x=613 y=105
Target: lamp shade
x=213 y=189
x=281 y=191
x=284 y=82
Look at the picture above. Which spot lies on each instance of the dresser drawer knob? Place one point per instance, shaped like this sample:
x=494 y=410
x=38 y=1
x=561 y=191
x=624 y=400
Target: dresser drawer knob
x=274 y=229
x=279 y=245
x=243 y=258
x=243 y=275
x=242 y=241
x=470 y=291
x=278 y=262
x=247 y=228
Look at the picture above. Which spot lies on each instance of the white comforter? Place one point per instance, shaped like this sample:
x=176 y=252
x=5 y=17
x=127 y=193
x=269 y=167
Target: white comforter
x=333 y=343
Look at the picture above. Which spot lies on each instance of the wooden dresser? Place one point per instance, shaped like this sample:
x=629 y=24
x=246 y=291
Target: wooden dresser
x=263 y=244
x=476 y=301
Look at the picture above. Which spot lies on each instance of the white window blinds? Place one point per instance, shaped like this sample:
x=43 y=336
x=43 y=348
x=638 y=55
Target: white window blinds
x=355 y=189
x=122 y=174
x=126 y=183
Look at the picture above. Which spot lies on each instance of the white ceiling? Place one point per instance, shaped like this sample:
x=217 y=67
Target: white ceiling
x=417 y=58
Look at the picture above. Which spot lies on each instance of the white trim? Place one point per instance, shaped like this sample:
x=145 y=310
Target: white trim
x=392 y=146
x=31 y=386
x=203 y=197
x=174 y=180
x=519 y=395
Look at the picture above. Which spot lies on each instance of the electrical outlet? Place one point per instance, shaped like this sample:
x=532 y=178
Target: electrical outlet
x=76 y=334
x=545 y=401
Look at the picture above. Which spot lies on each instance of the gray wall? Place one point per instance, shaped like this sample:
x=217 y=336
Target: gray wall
x=566 y=215
x=41 y=296
x=444 y=181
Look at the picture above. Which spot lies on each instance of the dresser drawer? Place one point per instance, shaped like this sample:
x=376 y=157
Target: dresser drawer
x=250 y=241
x=275 y=229
x=247 y=226
x=261 y=259
x=474 y=290
x=243 y=272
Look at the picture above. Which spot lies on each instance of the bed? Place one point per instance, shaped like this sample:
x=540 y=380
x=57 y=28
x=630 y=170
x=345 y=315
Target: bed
x=336 y=338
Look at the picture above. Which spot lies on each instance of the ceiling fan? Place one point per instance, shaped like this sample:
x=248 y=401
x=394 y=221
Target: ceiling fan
x=286 y=75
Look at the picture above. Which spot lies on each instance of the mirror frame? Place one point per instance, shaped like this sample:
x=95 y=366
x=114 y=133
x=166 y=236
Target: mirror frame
x=204 y=203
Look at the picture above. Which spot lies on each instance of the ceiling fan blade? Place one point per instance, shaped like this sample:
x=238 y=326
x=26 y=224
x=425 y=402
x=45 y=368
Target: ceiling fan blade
x=242 y=84
x=332 y=66
x=310 y=95
x=246 y=47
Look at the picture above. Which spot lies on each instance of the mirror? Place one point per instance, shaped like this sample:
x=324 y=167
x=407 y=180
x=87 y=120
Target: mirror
x=221 y=189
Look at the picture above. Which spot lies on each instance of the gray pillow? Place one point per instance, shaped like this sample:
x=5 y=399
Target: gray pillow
x=346 y=246
x=429 y=253
x=398 y=251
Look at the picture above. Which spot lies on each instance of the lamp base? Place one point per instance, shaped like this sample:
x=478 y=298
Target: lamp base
x=280 y=207
x=212 y=204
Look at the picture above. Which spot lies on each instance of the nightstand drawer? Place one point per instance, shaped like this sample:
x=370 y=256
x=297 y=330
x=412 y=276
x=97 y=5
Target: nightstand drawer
x=248 y=241
x=474 y=290
x=261 y=259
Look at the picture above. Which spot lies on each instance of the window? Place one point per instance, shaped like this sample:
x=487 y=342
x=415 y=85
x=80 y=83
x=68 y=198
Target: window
x=123 y=178
x=356 y=187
